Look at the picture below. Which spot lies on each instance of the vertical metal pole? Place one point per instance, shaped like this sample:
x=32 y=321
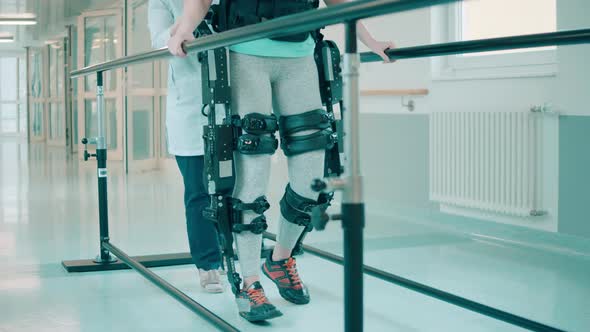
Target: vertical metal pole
x=125 y=86
x=68 y=90
x=353 y=218
x=101 y=161
x=28 y=97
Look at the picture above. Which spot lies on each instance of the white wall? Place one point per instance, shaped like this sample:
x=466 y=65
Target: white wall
x=573 y=81
x=405 y=29
x=568 y=91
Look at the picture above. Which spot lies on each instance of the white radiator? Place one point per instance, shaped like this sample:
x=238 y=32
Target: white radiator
x=487 y=161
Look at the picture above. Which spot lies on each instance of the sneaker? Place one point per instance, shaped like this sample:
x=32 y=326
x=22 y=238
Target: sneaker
x=284 y=274
x=210 y=281
x=254 y=306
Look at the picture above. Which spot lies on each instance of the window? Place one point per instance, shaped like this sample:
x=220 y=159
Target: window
x=482 y=19
x=12 y=99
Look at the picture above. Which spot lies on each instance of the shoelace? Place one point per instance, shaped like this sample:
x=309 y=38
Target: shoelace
x=257 y=296
x=292 y=269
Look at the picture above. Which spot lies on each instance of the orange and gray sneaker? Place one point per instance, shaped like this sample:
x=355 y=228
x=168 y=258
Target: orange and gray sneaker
x=254 y=306
x=284 y=274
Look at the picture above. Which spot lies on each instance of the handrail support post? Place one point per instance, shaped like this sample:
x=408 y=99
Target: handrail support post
x=352 y=202
x=101 y=162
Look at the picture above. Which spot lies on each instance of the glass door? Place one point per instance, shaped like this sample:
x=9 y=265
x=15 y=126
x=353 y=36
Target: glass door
x=56 y=112
x=37 y=95
x=71 y=63
x=100 y=39
x=12 y=97
x=144 y=96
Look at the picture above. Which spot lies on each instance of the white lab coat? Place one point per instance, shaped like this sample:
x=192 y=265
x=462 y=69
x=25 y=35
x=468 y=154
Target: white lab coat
x=184 y=121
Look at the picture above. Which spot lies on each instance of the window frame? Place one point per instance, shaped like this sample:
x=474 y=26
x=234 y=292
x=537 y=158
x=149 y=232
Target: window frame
x=447 y=27
x=19 y=101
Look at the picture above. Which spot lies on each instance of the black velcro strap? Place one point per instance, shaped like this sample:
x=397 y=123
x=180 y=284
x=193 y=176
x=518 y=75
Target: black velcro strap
x=238 y=13
x=316 y=119
x=259 y=206
x=296 y=38
x=296 y=208
x=252 y=144
x=257 y=226
x=321 y=140
x=293 y=215
x=231 y=14
x=283 y=8
x=256 y=123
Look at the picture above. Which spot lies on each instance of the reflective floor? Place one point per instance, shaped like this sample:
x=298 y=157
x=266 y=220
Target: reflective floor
x=48 y=213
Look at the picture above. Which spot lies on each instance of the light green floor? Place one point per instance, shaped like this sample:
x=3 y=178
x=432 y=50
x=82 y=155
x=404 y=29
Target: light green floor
x=48 y=213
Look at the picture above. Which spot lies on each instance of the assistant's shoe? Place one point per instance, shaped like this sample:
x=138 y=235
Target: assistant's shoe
x=254 y=306
x=284 y=274
x=210 y=281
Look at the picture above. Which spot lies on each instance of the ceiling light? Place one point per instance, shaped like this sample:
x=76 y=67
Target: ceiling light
x=6 y=38
x=18 y=19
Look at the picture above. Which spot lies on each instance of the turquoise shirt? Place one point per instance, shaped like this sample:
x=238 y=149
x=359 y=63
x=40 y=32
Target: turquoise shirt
x=273 y=48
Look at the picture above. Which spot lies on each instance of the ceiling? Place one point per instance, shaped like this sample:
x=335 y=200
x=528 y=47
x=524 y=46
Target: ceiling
x=52 y=17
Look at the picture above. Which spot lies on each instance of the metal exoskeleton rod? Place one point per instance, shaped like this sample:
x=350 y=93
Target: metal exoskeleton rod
x=101 y=161
x=352 y=204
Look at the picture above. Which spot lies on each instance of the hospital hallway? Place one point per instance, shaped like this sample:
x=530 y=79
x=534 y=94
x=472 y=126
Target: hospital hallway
x=448 y=152
x=48 y=213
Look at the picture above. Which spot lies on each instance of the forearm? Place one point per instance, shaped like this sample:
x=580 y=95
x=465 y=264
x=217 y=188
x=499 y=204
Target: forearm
x=193 y=13
x=362 y=33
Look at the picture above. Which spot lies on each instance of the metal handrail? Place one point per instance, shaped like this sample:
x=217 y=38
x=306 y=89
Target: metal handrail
x=565 y=37
x=292 y=24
